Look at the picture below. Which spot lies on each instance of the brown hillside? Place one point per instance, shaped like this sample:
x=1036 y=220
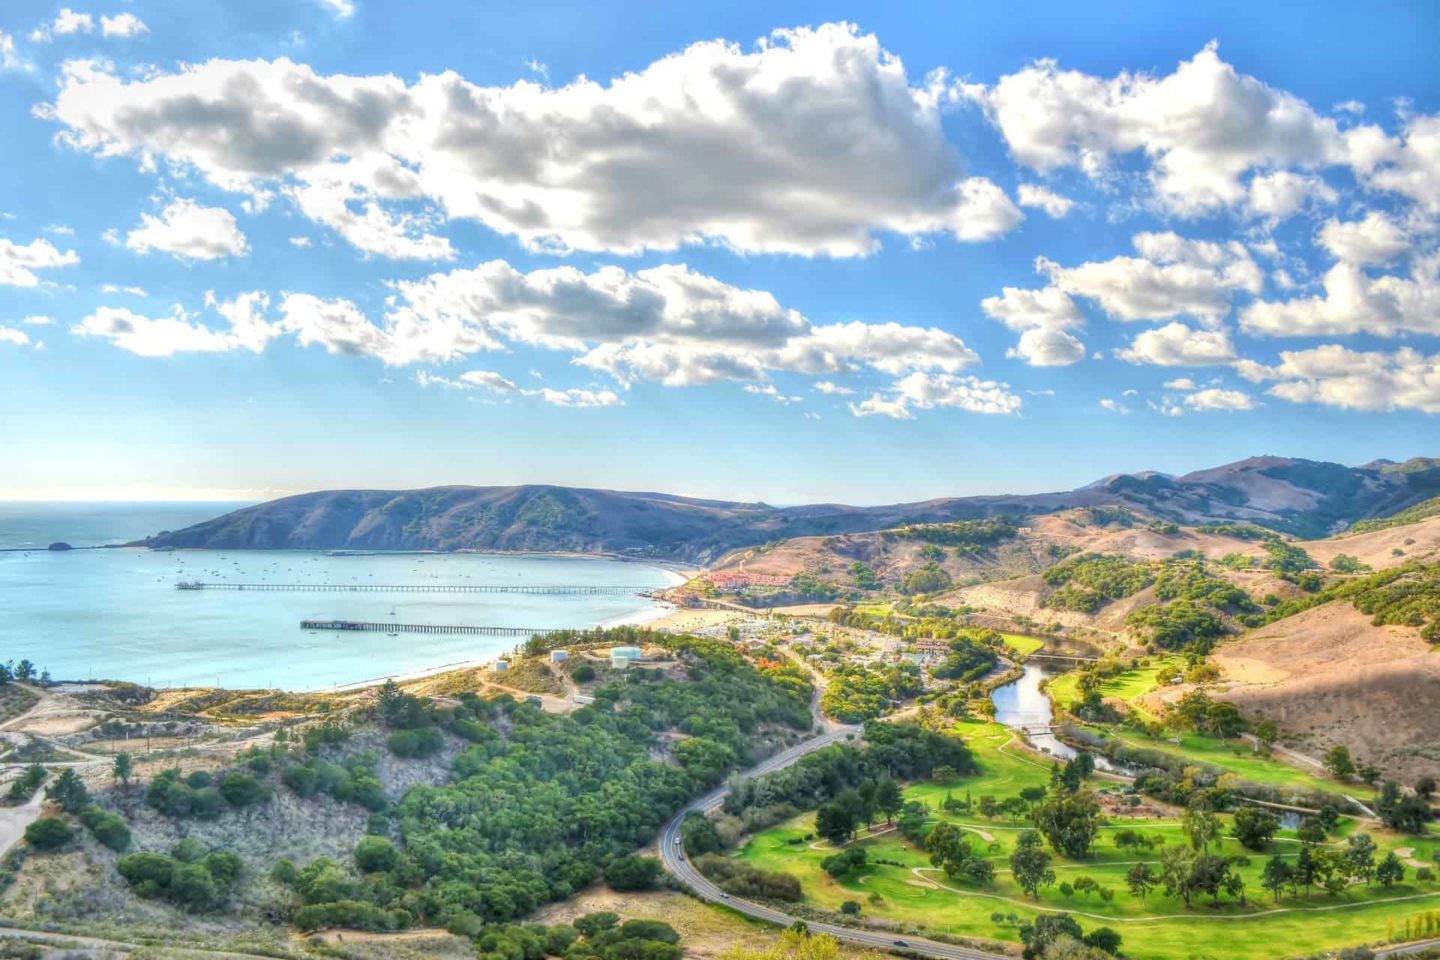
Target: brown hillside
x=1329 y=676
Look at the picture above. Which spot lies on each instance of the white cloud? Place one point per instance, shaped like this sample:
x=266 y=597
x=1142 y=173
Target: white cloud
x=575 y=397
x=1280 y=194
x=1202 y=127
x=133 y=291
x=340 y=9
x=1409 y=165
x=189 y=231
x=771 y=391
x=18 y=338
x=1042 y=317
x=1180 y=383
x=1172 y=276
x=67 y=21
x=1113 y=406
x=18 y=262
x=1214 y=398
x=1353 y=302
x=178 y=333
x=1335 y=376
x=492 y=382
x=123 y=25
x=1374 y=240
x=1034 y=195
x=813 y=142
x=1047 y=347
x=1354 y=107
x=925 y=391
x=301 y=242
x=1176 y=345
x=9 y=60
x=834 y=389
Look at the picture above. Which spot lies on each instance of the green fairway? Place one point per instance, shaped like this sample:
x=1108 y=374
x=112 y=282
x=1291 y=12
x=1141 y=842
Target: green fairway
x=899 y=884
x=1022 y=644
x=1234 y=755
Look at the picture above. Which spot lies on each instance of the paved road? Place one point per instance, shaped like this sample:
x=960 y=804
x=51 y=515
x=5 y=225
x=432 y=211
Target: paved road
x=1407 y=948
x=673 y=856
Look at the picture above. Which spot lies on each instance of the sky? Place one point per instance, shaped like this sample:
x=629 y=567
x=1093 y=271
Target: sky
x=790 y=252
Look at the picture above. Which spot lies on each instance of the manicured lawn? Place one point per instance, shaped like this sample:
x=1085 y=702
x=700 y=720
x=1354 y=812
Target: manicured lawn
x=1128 y=686
x=907 y=889
x=1234 y=755
x=1022 y=644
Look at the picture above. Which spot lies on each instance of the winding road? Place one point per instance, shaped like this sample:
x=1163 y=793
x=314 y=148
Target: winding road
x=672 y=854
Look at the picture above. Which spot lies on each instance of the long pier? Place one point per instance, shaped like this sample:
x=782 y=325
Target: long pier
x=557 y=589
x=366 y=626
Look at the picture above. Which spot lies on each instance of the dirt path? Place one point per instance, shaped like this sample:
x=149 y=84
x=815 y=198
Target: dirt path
x=73 y=941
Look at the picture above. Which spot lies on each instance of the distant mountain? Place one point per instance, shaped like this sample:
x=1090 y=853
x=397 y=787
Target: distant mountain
x=1304 y=497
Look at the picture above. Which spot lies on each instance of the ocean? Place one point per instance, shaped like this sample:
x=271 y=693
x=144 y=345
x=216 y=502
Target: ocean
x=116 y=614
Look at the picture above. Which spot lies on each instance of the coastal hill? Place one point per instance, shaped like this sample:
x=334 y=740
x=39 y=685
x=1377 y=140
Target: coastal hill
x=1301 y=497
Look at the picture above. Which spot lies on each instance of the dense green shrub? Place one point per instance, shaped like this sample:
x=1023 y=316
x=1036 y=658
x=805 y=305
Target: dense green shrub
x=48 y=833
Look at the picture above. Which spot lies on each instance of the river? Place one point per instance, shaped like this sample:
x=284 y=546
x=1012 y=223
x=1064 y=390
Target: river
x=1023 y=706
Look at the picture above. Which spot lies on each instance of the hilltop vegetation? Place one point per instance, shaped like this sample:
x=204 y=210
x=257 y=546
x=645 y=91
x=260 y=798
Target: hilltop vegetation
x=1302 y=497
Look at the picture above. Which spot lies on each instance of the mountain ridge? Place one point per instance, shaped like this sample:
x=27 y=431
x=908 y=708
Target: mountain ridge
x=1289 y=495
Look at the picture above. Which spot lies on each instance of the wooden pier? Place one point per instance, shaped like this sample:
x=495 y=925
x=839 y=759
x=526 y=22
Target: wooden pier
x=365 y=626
x=553 y=590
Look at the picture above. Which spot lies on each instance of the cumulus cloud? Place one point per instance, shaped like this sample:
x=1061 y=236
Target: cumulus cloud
x=1176 y=345
x=1214 y=398
x=1281 y=194
x=14 y=337
x=1337 y=376
x=67 y=21
x=189 y=231
x=925 y=391
x=1047 y=347
x=813 y=142
x=1354 y=302
x=1042 y=317
x=1408 y=165
x=123 y=25
x=825 y=386
x=18 y=262
x=1202 y=127
x=1173 y=276
x=179 y=333
x=1180 y=383
x=1374 y=240
x=1034 y=195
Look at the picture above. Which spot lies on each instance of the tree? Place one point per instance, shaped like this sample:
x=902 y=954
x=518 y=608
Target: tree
x=628 y=873
x=1141 y=879
x=48 y=833
x=1311 y=832
x=1338 y=762
x=1277 y=876
x=1030 y=865
x=69 y=791
x=1360 y=856
x=1425 y=787
x=1201 y=826
x=1390 y=871
x=1045 y=931
x=1266 y=732
x=1254 y=827
x=373 y=854
x=835 y=823
x=123 y=768
x=1069 y=821
x=888 y=799
x=851 y=908
x=1407 y=812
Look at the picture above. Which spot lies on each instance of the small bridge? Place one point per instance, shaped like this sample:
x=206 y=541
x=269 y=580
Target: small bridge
x=557 y=589
x=365 y=626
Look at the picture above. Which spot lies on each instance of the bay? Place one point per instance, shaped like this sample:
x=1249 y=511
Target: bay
x=116 y=613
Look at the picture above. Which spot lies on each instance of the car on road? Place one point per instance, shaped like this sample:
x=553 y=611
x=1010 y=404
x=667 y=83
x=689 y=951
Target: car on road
x=901 y=943
x=724 y=896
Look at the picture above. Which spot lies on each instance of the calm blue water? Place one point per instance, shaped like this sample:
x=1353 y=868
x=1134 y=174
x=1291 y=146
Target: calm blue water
x=115 y=614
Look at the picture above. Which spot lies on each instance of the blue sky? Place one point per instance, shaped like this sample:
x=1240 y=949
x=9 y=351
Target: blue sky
x=787 y=252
